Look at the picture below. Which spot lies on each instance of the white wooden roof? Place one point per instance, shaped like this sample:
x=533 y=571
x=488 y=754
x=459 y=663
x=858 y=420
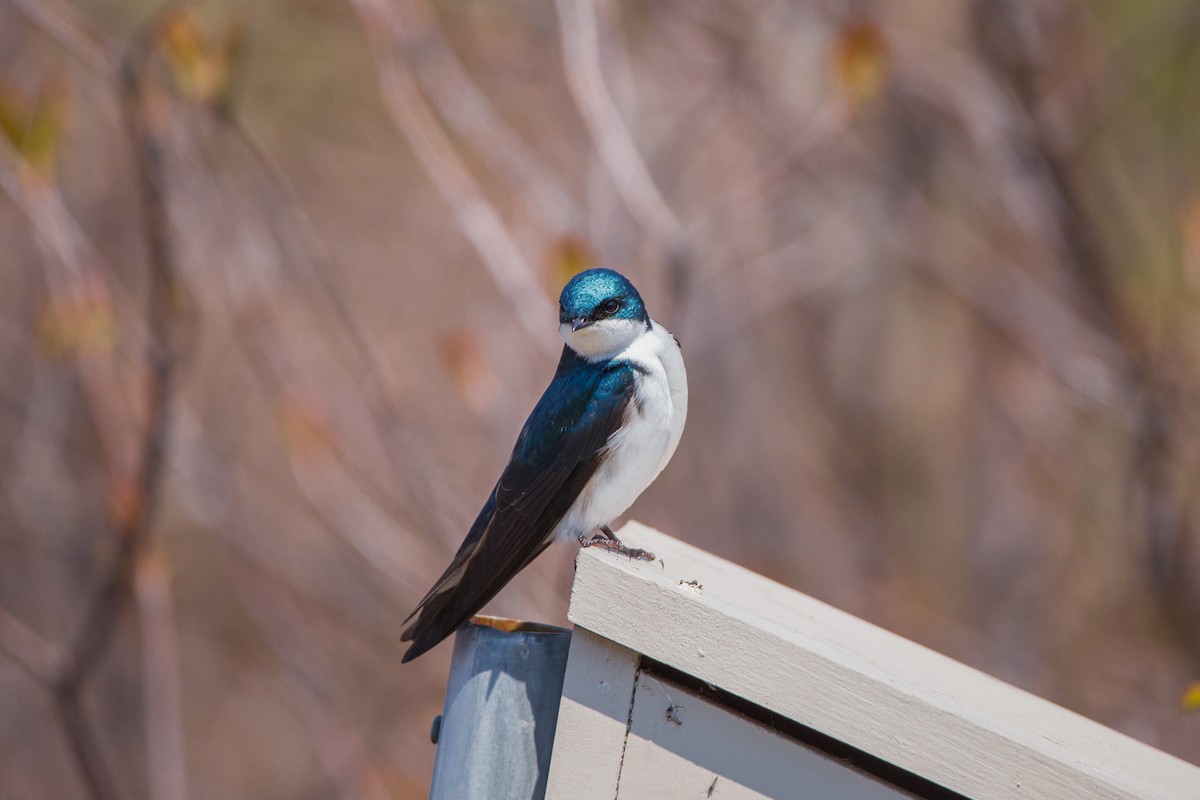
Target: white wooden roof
x=859 y=684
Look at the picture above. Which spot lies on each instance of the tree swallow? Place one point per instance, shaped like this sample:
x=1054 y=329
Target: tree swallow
x=602 y=432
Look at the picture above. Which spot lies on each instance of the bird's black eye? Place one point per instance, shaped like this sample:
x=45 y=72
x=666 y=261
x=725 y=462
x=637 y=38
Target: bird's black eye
x=609 y=306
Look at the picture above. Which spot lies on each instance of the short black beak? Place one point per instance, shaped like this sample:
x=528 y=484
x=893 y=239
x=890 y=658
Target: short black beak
x=580 y=322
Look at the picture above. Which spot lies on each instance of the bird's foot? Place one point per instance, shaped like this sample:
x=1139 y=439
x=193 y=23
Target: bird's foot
x=605 y=540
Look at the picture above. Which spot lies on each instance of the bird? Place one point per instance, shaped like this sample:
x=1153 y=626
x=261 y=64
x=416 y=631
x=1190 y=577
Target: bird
x=603 y=430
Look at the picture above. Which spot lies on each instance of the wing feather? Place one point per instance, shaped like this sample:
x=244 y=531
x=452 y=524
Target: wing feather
x=558 y=451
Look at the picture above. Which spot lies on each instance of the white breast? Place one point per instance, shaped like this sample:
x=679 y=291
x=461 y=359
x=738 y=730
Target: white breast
x=644 y=444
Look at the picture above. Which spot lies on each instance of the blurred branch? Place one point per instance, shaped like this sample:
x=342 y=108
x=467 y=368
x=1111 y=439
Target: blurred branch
x=160 y=655
x=333 y=492
x=299 y=245
x=77 y=282
x=1169 y=33
x=801 y=154
x=360 y=522
x=1007 y=34
x=960 y=87
x=73 y=31
x=476 y=216
x=292 y=230
x=611 y=137
x=297 y=242
x=469 y=112
x=614 y=143
x=134 y=469
x=343 y=495
x=367 y=538
x=134 y=517
x=1014 y=47
x=229 y=503
x=1081 y=357
x=26 y=649
x=767 y=285
x=75 y=279
x=339 y=748
x=84 y=743
x=1004 y=134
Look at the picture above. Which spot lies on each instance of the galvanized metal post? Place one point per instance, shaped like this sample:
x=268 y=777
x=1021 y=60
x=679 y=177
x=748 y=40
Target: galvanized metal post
x=497 y=726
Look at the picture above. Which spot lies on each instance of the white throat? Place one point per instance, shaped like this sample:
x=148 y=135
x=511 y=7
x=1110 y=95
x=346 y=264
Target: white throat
x=603 y=340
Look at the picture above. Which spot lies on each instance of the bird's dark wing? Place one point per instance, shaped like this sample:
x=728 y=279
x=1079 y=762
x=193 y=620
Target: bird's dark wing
x=557 y=452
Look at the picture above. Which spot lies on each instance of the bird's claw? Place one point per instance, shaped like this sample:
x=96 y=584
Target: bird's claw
x=614 y=545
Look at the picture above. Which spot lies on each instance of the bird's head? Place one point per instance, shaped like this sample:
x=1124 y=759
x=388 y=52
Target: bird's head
x=600 y=313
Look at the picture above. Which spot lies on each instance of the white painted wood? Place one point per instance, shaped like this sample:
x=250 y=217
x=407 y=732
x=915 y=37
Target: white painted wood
x=853 y=681
x=589 y=741
x=682 y=745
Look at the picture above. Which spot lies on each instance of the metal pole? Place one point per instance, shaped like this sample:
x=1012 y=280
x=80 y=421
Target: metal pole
x=497 y=726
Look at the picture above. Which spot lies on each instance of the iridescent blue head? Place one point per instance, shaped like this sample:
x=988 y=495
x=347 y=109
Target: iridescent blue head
x=600 y=313
x=599 y=294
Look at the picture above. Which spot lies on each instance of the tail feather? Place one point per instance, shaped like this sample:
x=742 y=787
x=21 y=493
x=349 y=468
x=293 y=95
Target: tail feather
x=440 y=616
x=446 y=608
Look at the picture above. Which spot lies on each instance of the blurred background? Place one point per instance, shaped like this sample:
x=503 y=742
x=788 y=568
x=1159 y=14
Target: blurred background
x=278 y=286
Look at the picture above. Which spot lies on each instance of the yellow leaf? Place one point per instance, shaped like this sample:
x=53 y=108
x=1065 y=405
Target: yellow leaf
x=1191 y=697
x=53 y=333
x=860 y=60
x=66 y=328
x=14 y=110
x=44 y=131
x=566 y=258
x=197 y=63
x=34 y=126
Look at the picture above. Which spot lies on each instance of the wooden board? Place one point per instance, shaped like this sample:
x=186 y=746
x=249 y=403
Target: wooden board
x=682 y=745
x=593 y=717
x=837 y=675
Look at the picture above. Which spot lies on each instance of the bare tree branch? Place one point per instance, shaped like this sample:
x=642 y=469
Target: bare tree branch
x=135 y=467
x=164 y=717
x=1081 y=357
x=299 y=246
x=84 y=743
x=78 y=281
x=469 y=112
x=1012 y=43
x=610 y=134
x=476 y=216
x=73 y=31
x=134 y=520
x=27 y=650
x=339 y=748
